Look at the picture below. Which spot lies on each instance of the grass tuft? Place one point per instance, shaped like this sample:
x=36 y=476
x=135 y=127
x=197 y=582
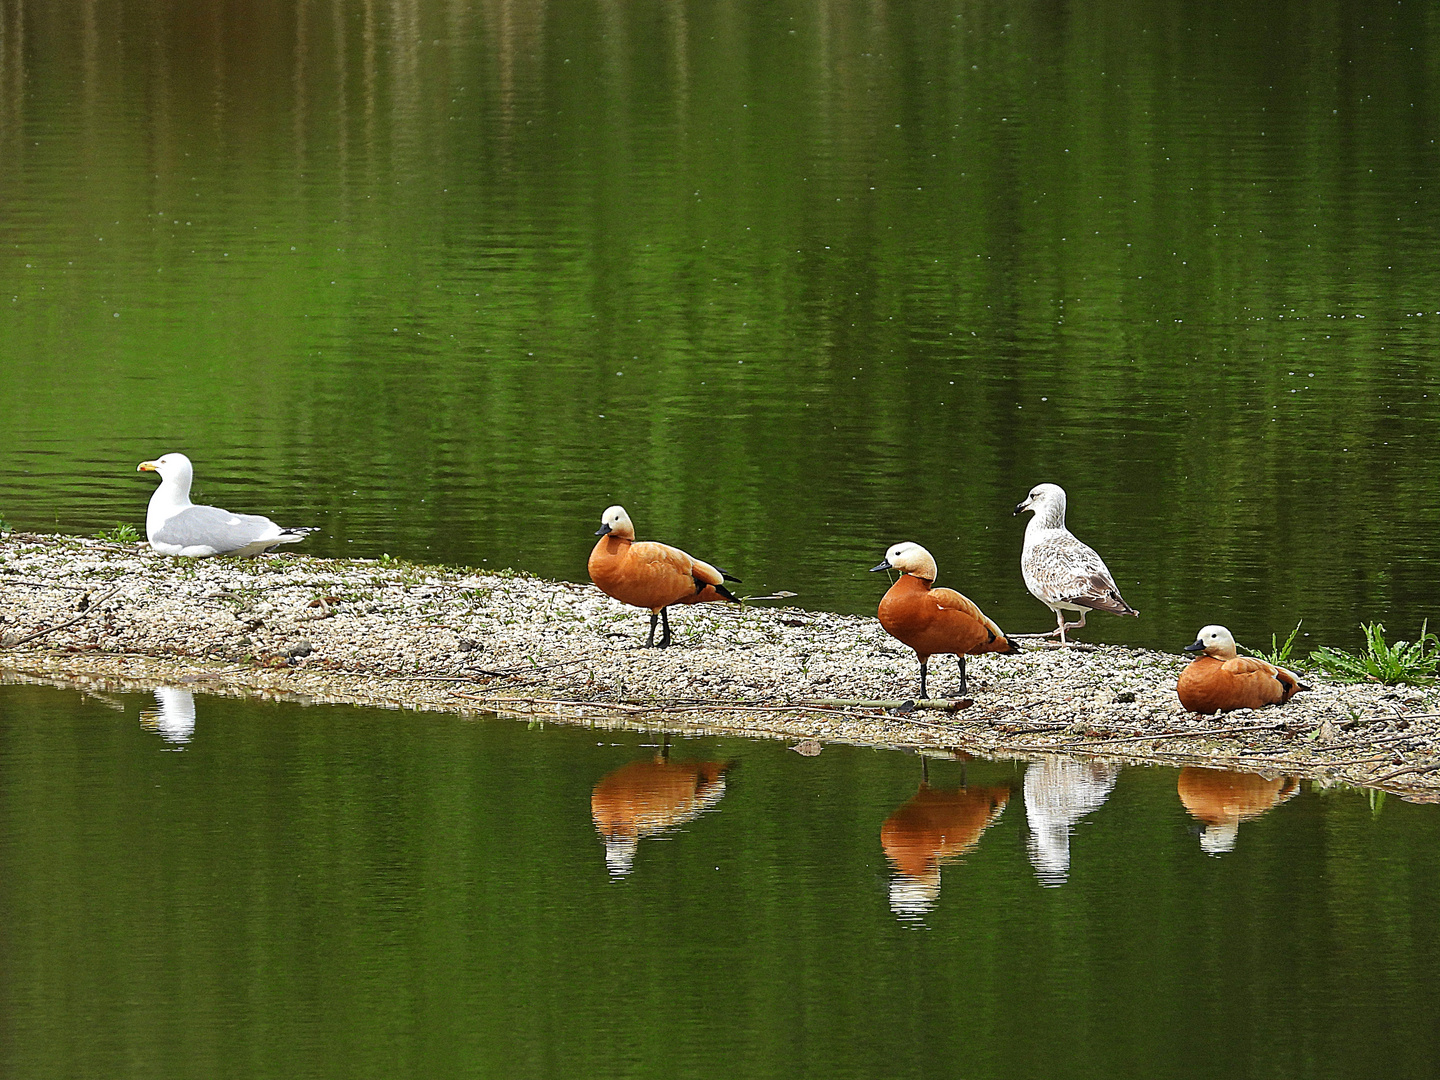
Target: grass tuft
x=1281 y=653
x=120 y=534
x=1409 y=663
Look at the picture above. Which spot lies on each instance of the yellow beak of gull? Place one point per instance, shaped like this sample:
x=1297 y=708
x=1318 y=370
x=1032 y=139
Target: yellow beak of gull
x=147 y=466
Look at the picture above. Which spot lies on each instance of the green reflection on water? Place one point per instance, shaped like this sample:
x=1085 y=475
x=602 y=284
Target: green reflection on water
x=342 y=892
x=791 y=282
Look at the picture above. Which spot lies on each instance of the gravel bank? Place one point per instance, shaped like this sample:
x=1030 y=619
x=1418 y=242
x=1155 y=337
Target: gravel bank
x=108 y=616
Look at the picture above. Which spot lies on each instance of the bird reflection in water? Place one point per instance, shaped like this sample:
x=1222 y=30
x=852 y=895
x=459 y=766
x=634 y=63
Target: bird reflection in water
x=1059 y=791
x=173 y=718
x=933 y=828
x=1220 y=801
x=648 y=798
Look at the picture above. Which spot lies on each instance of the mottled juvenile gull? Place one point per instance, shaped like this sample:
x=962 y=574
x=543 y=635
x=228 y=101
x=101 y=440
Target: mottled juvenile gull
x=173 y=718
x=176 y=526
x=1060 y=571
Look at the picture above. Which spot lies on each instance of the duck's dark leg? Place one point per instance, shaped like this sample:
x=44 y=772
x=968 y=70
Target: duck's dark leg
x=923 y=661
x=665 y=621
x=964 y=683
x=654 y=618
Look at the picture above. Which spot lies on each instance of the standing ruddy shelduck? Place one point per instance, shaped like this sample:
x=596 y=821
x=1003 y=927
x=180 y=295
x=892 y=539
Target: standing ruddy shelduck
x=1221 y=680
x=1060 y=571
x=651 y=575
x=932 y=620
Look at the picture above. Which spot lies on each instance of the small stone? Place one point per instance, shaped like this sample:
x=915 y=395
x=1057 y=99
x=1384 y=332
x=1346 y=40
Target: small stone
x=300 y=648
x=1125 y=697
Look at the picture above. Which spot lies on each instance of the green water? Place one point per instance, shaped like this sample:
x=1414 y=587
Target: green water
x=792 y=282
x=268 y=890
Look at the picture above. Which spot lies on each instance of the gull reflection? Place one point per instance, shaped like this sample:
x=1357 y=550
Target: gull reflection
x=933 y=828
x=648 y=798
x=1222 y=800
x=173 y=718
x=1059 y=791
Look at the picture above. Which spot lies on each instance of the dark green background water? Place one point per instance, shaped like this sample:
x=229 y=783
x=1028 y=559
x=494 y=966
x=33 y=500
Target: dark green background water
x=790 y=281
x=338 y=892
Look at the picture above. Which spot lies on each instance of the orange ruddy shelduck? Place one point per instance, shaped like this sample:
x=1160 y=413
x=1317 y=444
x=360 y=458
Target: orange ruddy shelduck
x=1221 y=680
x=651 y=575
x=932 y=620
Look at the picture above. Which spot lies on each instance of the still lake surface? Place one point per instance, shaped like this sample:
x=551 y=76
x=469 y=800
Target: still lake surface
x=790 y=281
x=196 y=886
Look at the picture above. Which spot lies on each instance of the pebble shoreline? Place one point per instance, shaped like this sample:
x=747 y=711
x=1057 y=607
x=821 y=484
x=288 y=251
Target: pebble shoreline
x=94 y=615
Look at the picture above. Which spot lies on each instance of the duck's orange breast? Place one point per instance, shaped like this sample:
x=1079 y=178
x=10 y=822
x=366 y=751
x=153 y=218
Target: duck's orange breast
x=647 y=575
x=1211 y=685
x=934 y=621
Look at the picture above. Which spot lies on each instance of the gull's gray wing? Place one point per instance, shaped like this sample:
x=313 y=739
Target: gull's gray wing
x=209 y=526
x=1067 y=571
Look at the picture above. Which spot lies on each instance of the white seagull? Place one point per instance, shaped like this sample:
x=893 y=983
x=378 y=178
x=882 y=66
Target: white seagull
x=1060 y=571
x=176 y=526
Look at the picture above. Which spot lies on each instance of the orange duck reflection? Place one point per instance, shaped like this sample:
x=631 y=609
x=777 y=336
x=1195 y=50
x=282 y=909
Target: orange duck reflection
x=1222 y=800
x=647 y=798
x=933 y=828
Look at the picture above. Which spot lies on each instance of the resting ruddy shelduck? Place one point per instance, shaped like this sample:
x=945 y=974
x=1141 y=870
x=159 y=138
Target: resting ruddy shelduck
x=651 y=575
x=932 y=620
x=1060 y=571
x=1221 y=680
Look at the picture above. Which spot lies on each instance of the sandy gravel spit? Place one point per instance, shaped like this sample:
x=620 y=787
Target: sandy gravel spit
x=104 y=616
